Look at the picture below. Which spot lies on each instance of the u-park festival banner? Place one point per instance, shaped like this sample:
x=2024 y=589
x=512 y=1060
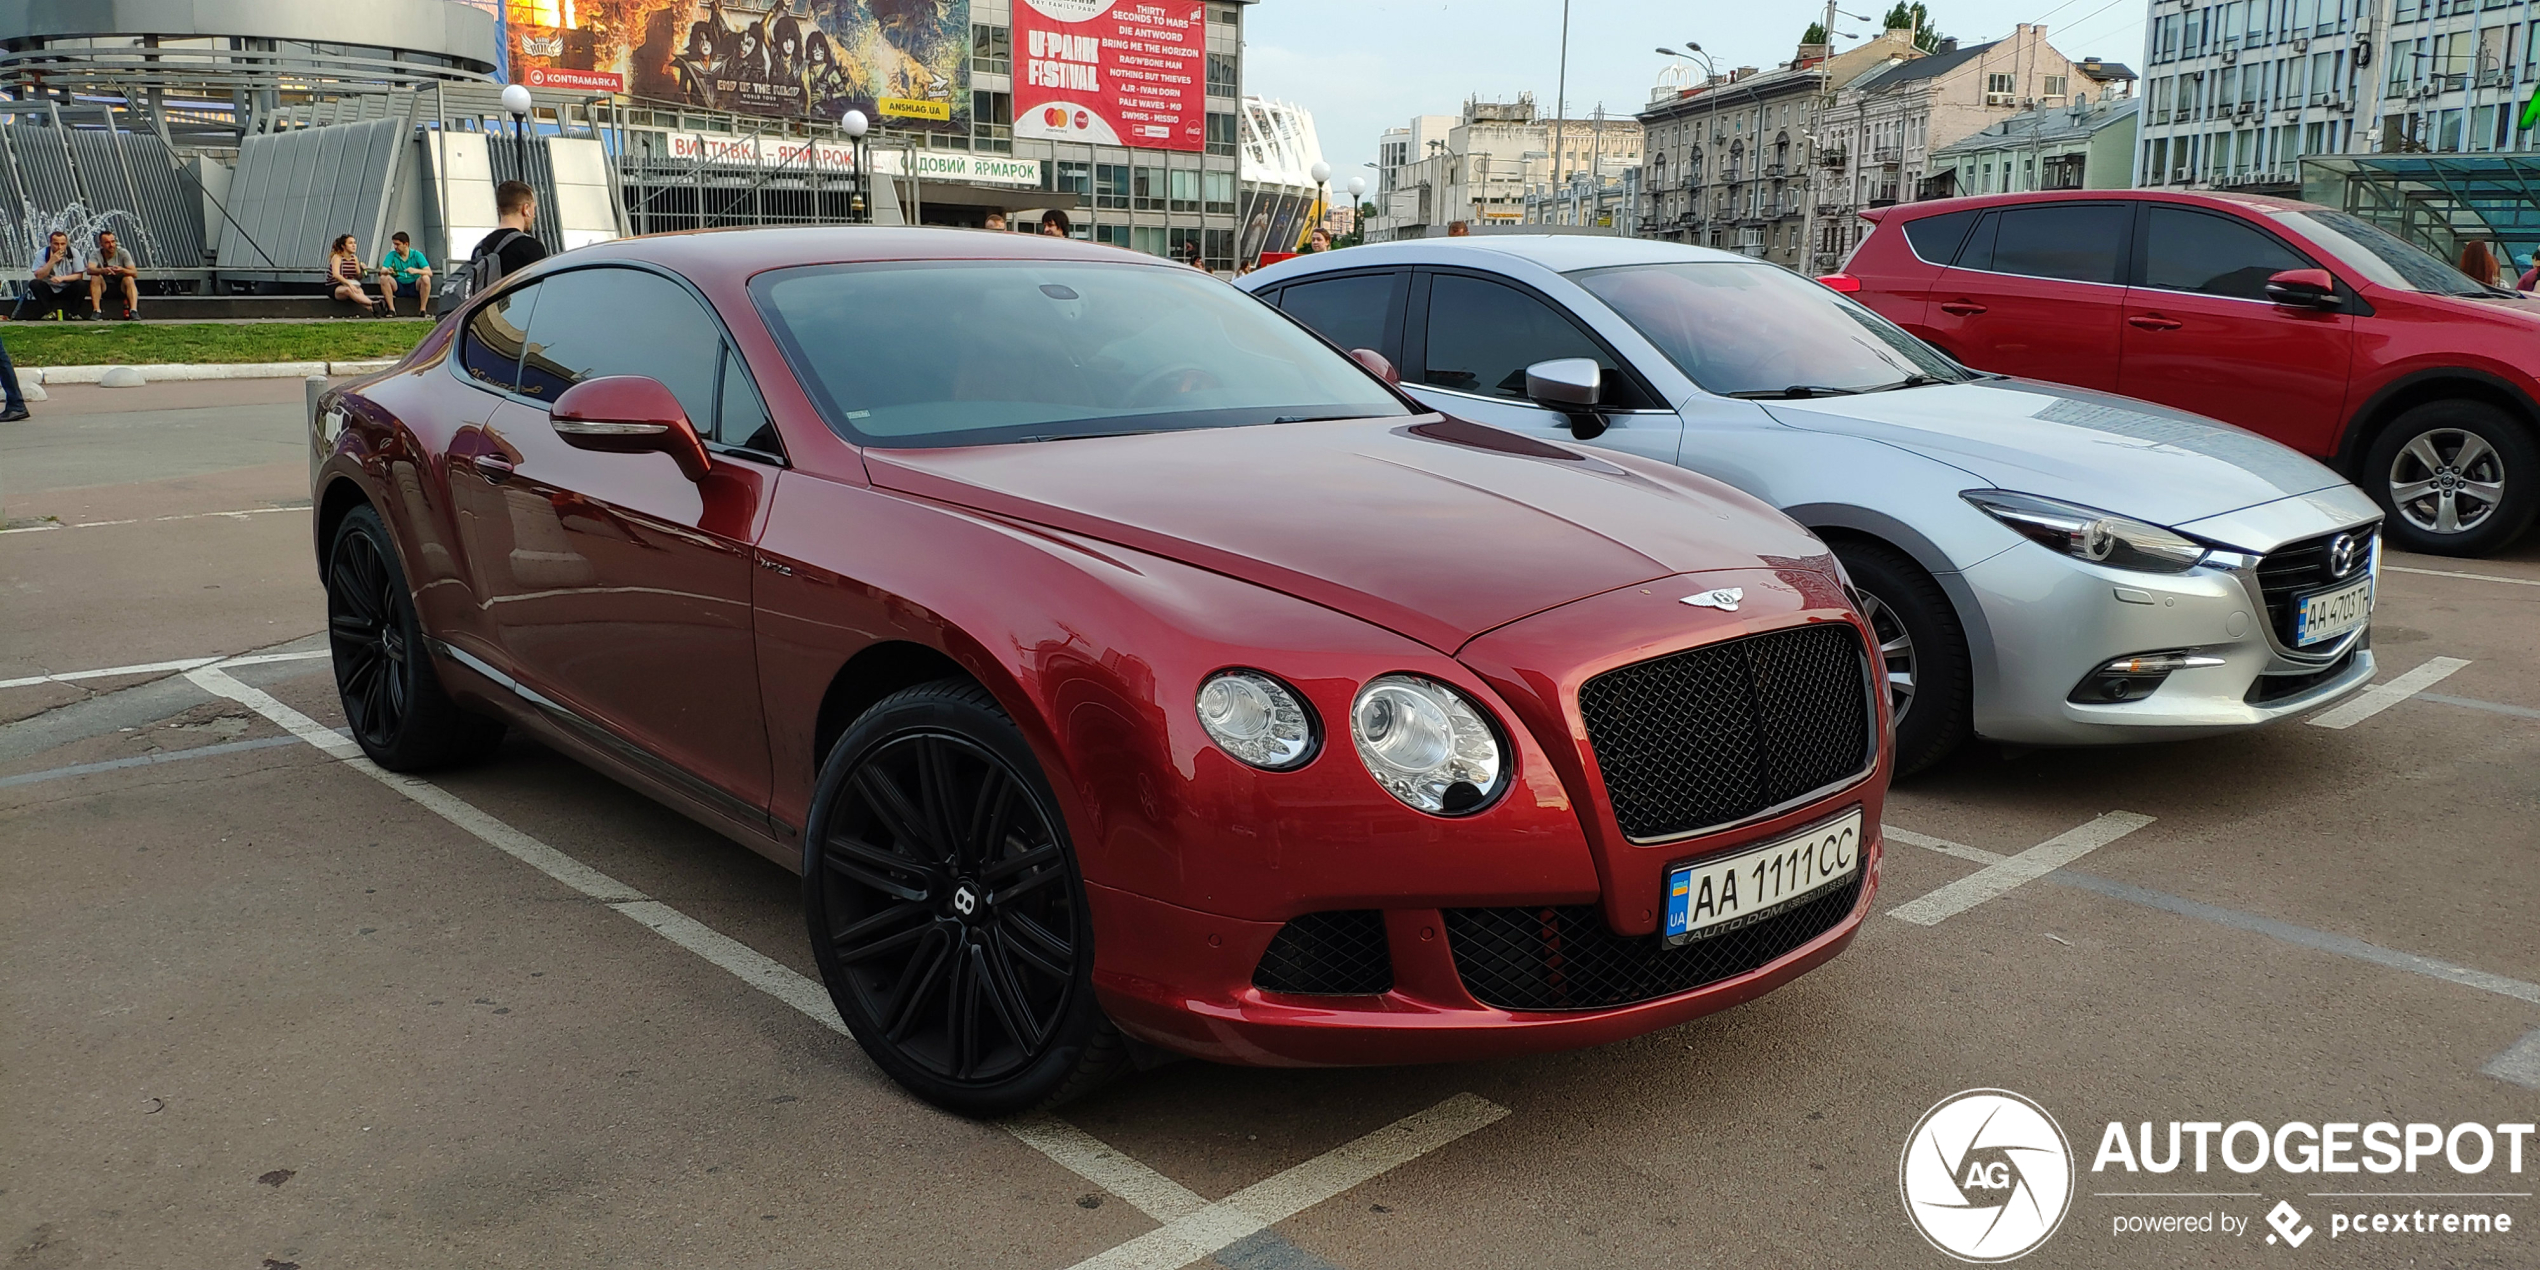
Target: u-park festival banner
x=1120 y=72
x=904 y=62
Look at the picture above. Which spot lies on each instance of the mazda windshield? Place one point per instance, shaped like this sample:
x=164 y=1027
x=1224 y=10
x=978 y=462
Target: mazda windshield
x=943 y=353
x=1743 y=330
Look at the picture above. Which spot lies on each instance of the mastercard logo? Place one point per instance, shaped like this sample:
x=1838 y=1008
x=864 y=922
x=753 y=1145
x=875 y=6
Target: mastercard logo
x=1054 y=117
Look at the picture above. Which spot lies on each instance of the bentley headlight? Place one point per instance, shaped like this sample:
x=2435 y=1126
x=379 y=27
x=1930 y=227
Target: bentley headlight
x=1255 y=718
x=1427 y=745
x=2087 y=533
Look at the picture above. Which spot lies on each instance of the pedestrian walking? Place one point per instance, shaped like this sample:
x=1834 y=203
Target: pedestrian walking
x=2480 y=263
x=111 y=265
x=511 y=247
x=58 y=279
x=1319 y=240
x=14 y=408
x=1054 y=224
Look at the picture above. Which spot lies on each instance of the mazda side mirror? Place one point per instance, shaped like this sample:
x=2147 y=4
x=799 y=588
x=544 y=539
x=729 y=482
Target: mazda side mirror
x=1570 y=385
x=1377 y=364
x=2303 y=289
x=629 y=414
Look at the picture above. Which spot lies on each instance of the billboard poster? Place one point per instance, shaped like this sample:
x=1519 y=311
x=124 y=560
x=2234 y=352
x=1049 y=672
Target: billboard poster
x=904 y=63
x=1112 y=72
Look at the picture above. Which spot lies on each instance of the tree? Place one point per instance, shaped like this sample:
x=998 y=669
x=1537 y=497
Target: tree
x=1916 y=16
x=1816 y=34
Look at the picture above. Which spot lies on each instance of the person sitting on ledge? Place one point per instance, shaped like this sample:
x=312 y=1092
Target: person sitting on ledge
x=344 y=273
x=111 y=265
x=405 y=271
x=58 y=280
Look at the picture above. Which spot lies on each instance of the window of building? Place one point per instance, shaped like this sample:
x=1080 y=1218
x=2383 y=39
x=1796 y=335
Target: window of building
x=1224 y=15
x=1222 y=135
x=1147 y=238
x=992 y=120
x=1217 y=191
x=1111 y=185
x=1998 y=87
x=1183 y=184
x=1146 y=188
x=1222 y=76
x=1112 y=235
x=1068 y=176
x=991 y=49
x=2054 y=86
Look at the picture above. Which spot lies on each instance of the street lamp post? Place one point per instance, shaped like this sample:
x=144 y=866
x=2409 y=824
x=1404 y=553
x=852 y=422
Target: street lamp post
x=1322 y=174
x=1357 y=187
x=1701 y=141
x=855 y=126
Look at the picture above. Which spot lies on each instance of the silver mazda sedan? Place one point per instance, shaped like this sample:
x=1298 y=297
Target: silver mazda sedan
x=2045 y=565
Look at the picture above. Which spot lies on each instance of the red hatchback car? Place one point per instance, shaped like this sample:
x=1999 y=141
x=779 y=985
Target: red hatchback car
x=1120 y=664
x=2301 y=323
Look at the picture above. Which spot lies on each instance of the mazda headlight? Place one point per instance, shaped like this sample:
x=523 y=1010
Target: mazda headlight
x=1256 y=718
x=1427 y=745
x=2087 y=533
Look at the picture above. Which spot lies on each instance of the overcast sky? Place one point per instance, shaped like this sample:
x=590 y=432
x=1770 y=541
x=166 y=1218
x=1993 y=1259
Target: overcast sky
x=1362 y=66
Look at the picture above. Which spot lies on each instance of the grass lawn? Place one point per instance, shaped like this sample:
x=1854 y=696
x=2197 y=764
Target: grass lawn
x=137 y=343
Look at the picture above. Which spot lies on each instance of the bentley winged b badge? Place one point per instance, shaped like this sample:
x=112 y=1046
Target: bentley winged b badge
x=1724 y=599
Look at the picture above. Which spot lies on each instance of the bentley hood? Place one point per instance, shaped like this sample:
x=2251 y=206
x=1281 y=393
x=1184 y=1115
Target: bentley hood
x=2097 y=449
x=1436 y=529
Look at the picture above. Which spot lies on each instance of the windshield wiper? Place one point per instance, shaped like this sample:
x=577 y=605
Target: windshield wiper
x=1314 y=418
x=1088 y=436
x=1794 y=392
x=1916 y=380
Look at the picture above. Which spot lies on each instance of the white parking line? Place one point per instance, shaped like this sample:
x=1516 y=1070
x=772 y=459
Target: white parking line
x=150 y=520
x=1266 y=1203
x=159 y=667
x=1108 y=1167
x=1193 y=1229
x=2520 y=1063
x=2003 y=875
x=2382 y=696
x=2448 y=573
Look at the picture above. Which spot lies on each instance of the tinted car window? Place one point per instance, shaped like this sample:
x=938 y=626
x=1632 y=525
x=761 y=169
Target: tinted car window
x=490 y=351
x=1936 y=238
x=1483 y=335
x=1759 y=330
x=937 y=353
x=2196 y=251
x=597 y=322
x=2075 y=242
x=2379 y=255
x=741 y=419
x=1350 y=312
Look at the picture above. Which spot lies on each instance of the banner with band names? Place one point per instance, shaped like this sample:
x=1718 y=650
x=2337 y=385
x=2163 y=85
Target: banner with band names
x=839 y=157
x=1114 y=72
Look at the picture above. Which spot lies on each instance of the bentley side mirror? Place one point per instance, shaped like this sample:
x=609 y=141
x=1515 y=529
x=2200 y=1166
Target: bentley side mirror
x=629 y=414
x=1571 y=386
x=2303 y=289
x=1376 y=363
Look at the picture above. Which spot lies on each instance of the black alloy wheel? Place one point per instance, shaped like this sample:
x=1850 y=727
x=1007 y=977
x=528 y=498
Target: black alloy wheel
x=1921 y=655
x=391 y=695
x=945 y=908
x=2457 y=478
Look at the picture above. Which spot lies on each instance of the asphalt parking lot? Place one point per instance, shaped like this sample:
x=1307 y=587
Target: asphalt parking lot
x=266 y=1008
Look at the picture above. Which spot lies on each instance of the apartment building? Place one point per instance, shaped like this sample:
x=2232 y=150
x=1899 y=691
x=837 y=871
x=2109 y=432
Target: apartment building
x=1479 y=167
x=1882 y=129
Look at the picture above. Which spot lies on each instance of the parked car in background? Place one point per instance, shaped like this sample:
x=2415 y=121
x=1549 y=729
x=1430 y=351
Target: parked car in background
x=1119 y=664
x=2041 y=564
x=2301 y=323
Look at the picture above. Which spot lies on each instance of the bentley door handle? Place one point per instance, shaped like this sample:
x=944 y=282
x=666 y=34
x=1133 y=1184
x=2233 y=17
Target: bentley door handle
x=493 y=467
x=1963 y=308
x=2153 y=322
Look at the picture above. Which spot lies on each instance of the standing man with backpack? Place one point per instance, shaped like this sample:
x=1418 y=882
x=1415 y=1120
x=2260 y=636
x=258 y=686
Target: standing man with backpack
x=510 y=248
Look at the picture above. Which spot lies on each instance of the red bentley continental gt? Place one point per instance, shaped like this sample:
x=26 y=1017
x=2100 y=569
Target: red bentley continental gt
x=1125 y=669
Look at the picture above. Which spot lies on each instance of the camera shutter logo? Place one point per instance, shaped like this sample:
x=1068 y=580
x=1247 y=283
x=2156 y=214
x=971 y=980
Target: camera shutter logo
x=1986 y=1175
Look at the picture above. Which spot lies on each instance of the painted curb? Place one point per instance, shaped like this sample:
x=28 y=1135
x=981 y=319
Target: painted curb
x=169 y=372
